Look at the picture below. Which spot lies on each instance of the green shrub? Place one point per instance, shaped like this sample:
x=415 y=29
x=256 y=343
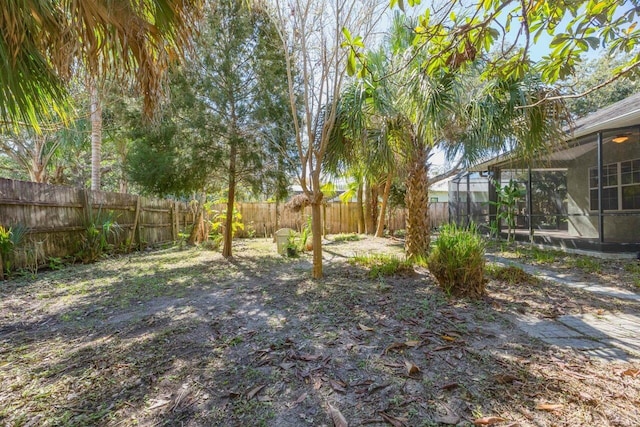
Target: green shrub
x=457 y=261
x=383 y=265
x=99 y=227
x=511 y=275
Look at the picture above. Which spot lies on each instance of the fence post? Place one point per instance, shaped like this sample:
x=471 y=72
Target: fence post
x=172 y=221
x=135 y=230
x=176 y=214
x=86 y=207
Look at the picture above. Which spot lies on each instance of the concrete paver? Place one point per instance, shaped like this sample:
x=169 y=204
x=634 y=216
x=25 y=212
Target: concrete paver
x=611 y=337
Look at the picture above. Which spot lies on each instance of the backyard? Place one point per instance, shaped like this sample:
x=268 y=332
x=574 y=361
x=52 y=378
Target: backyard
x=182 y=336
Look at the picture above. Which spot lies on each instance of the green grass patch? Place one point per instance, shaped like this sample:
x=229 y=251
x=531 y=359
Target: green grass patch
x=511 y=275
x=381 y=265
x=588 y=264
x=347 y=237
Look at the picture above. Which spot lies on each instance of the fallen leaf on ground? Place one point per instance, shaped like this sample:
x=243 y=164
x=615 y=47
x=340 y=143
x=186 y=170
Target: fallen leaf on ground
x=338 y=419
x=548 y=406
x=450 y=386
x=449 y=419
x=413 y=343
x=448 y=338
x=631 y=373
x=255 y=391
x=287 y=365
x=487 y=421
x=338 y=386
x=395 y=346
x=158 y=404
x=317 y=383
x=365 y=327
x=394 y=421
x=308 y=357
x=412 y=369
x=504 y=379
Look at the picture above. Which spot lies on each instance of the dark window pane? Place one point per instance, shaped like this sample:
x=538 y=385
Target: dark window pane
x=593 y=178
x=593 y=205
x=610 y=199
x=631 y=197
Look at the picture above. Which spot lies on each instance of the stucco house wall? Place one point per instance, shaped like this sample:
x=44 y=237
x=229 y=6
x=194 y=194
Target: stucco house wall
x=583 y=221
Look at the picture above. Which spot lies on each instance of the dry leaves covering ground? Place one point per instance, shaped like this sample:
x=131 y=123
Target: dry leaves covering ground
x=183 y=337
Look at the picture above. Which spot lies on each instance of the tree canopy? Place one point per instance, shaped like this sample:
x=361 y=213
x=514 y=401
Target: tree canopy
x=43 y=42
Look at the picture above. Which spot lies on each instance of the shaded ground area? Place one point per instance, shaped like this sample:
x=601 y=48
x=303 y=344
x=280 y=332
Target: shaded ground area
x=183 y=337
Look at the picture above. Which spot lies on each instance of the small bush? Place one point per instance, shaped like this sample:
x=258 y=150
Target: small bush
x=511 y=275
x=347 y=237
x=457 y=261
x=383 y=265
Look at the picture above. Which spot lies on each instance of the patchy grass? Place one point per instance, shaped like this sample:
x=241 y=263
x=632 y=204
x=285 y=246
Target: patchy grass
x=510 y=274
x=185 y=337
x=619 y=272
x=347 y=237
x=382 y=265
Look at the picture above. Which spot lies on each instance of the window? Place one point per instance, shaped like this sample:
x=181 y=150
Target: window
x=620 y=186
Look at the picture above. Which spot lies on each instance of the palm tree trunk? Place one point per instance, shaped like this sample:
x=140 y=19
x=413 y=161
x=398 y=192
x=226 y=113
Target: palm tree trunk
x=360 y=207
x=369 y=208
x=383 y=208
x=96 y=136
x=417 y=201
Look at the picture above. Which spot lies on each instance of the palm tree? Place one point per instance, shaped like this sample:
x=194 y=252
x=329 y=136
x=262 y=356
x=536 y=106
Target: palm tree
x=454 y=110
x=43 y=41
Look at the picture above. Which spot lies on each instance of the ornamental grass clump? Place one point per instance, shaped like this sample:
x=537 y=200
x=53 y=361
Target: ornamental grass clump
x=457 y=261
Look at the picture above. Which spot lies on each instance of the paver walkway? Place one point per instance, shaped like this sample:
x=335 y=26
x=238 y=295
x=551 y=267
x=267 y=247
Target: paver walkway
x=612 y=337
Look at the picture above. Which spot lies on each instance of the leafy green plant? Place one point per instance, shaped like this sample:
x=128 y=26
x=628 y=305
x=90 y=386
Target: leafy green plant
x=292 y=245
x=304 y=235
x=457 y=261
x=11 y=239
x=55 y=263
x=219 y=220
x=383 y=265
x=510 y=274
x=99 y=227
x=507 y=206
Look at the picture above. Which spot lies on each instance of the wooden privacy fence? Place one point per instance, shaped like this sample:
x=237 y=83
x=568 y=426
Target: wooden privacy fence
x=56 y=217
x=265 y=218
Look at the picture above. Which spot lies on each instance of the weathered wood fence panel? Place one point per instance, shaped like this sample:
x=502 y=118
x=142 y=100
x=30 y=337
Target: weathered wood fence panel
x=56 y=217
x=265 y=218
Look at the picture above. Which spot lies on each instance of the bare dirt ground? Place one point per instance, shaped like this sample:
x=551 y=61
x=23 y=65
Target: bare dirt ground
x=182 y=337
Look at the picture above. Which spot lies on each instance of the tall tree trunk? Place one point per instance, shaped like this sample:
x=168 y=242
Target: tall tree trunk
x=316 y=224
x=96 y=136
x=383 y=208
x=417 y=201
x=231 y=196
x=369 y=208
x=360 y=207
x=37 y=171
x=316 y=231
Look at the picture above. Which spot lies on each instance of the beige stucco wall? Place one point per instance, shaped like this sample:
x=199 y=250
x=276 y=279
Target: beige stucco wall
x=616 y=228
